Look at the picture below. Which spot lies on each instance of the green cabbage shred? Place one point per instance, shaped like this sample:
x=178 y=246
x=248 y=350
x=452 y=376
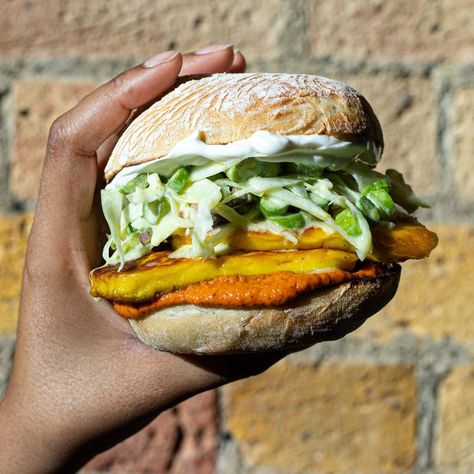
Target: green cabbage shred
x=211 y=201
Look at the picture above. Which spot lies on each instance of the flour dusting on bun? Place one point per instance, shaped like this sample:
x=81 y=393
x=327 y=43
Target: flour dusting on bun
x=246 y=215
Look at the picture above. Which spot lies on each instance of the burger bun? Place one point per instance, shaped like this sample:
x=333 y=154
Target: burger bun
x=322 y=315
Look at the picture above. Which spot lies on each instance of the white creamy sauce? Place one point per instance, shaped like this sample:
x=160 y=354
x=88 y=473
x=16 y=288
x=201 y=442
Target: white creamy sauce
x=325 y=151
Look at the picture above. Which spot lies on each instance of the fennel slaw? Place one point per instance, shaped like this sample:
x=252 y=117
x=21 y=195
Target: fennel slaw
x=273 y=183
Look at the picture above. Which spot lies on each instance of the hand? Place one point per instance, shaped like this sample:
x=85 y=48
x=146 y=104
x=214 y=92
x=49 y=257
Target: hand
x=81 y=380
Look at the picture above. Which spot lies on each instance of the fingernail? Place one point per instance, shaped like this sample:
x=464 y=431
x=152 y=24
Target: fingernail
x=160 y=58
x=236 y=50
x=213 y=48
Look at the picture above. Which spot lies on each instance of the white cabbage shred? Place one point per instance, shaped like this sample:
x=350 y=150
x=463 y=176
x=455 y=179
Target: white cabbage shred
x=215 y=191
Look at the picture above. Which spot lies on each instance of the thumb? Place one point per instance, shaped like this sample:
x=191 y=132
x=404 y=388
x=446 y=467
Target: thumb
x=70 y=169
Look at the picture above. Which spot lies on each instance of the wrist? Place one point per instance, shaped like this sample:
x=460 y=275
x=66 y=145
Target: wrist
x=29 y=445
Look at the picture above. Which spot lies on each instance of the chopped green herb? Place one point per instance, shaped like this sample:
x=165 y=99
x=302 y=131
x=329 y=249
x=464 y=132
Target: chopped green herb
x=368 y=208
x=139 y=181
x=179 y=180
x=348 y=221
x=384 y=203
x=323 y=203
x=272 y=207
x=246 y=169
x=379 y=184
x=304 y=169
x=154 y=211
x=290 y=221
x=271 y=169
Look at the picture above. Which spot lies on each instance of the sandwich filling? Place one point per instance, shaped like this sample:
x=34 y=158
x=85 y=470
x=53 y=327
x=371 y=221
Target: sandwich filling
x=253 y=204
x=249 y=291
x=281 y=185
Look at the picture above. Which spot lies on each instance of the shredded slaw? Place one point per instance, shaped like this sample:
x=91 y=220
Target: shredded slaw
x=329 y=182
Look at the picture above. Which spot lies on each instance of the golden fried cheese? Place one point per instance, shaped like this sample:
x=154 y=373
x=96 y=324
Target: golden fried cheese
x=247 y=292
x=156 y=274
x=402 y=242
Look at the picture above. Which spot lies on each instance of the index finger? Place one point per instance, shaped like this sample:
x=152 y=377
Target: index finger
x=107 y=108
x=220 y=60
x=70 y=170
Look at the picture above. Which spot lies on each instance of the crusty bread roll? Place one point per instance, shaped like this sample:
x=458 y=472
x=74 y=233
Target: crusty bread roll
x=325 y=314
x=231 y=107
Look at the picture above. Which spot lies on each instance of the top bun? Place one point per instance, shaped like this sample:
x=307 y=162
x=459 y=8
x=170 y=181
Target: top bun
x=231 y=107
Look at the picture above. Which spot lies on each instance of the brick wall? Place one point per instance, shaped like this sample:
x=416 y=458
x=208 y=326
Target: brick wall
x=397 y=395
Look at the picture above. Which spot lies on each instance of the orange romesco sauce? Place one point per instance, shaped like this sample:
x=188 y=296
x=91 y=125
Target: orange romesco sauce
x=244 y=292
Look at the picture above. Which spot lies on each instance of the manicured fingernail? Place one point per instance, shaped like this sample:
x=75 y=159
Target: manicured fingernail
x=236 y=50
x=213 y=48
x=160 y=58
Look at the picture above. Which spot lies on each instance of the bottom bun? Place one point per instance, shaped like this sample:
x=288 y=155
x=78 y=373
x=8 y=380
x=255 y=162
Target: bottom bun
x=322 y=315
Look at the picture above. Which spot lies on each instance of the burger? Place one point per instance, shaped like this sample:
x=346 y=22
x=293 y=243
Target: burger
x=245 y=215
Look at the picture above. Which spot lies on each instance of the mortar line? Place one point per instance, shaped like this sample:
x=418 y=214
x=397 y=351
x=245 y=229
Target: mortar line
x=103 y=68
x=435 y=420
x=427 y=414
x=4 y=150
x=7 y=344
x=296 y=33
x=444 y=148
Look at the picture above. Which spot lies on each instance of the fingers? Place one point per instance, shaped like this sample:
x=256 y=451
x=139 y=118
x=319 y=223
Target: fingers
x=220 y=58
x=238 y=64
x=226 y=368
x=194 y=374
x=105 y=150
x=85 y=127
x=70 y=170
x=215 y=58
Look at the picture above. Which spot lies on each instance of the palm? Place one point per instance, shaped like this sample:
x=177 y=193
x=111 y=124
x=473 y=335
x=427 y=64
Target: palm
x=79 y=369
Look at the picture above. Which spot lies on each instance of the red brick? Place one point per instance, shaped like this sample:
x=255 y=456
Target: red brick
x=409 y=29
x=35 y=105
x=139 y=28
x=180 y=441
